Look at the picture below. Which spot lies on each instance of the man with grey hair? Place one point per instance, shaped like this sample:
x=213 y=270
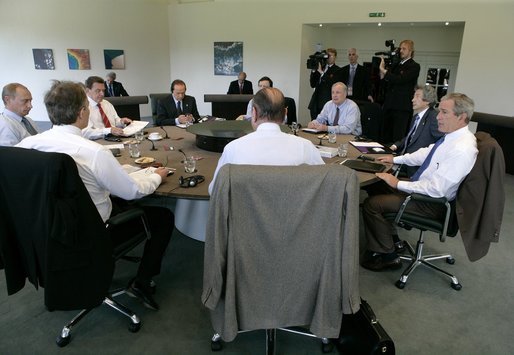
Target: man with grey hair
x=113 y=87
x=423 y=130
x=14 y=123
x=443 y=166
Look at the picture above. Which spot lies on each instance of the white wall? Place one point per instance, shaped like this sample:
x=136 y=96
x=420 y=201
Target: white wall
x=273 y=43
x=139 y=29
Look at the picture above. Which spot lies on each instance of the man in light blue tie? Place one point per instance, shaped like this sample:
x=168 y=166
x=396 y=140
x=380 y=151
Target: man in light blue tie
x=444 y=165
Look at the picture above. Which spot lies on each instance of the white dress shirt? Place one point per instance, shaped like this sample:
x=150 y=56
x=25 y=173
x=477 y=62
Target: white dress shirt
x=268 y=145
x=450 y=164
x=349 y=117
x=100 y=171
x=96 y=128
x=12 y=131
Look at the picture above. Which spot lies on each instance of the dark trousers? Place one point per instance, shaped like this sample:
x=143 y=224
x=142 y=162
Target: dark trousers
x=161 y=222
x=396 y=124
x=383 y=199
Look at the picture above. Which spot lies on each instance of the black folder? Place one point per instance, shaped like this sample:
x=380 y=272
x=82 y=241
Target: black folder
x=365 y=166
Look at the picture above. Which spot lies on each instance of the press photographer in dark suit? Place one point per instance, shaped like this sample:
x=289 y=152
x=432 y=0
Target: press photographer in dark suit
x=400 y=79
x=322 y=80
x=356 y=78
x=177 y=108
x=113 y=87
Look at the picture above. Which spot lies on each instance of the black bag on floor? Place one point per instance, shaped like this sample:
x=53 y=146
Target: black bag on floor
x=361 y=333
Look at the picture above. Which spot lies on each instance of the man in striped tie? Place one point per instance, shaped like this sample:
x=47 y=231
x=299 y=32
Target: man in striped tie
x=103 y=118
x=443 y=166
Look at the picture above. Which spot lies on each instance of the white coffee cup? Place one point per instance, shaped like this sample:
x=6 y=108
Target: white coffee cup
x=154 y=135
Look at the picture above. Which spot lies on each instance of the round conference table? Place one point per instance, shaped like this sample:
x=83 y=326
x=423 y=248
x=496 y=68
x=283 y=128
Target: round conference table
x=191 y=205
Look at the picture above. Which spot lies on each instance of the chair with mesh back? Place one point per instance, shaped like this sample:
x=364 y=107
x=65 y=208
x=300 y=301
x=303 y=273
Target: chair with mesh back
x=52 y=234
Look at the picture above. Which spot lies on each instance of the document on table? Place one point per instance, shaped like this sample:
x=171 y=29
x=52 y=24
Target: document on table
x=371 y=147
x=134 y=127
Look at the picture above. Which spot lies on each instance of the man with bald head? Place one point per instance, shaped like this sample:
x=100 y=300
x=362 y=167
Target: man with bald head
x=268 y=145
x=14 y=123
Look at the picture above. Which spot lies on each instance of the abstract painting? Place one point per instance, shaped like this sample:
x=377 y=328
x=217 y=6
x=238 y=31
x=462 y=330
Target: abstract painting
x=43 y=59
x=114 y=58
x=78 y=59
x=228 y=58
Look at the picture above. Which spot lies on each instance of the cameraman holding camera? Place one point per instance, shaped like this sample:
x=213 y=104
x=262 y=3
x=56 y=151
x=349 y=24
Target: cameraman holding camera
x=401 y=80
x=322 y=80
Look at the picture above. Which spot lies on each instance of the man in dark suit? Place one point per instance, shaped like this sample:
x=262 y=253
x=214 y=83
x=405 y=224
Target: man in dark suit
x=113 y=87
x=401 y=79
x=423 y=130
x=322 y=80
x=240 y=86
x=177 y=108
x=356 y=78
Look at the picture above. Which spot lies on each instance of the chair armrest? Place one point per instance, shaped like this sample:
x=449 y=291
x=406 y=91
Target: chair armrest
x=425 y=198
x=124 y=217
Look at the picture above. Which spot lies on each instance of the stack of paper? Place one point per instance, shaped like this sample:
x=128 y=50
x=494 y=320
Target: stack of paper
x=327 y=152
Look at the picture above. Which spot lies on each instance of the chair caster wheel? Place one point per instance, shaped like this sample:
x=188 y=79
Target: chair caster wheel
x=62 y=342
x=216 y=345
x=134 y=327
x=450 y=260
x=327 y=347
x=456 y=287
x=400 y=284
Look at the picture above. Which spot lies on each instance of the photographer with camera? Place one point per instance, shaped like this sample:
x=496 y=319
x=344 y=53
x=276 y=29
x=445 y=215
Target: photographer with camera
x=323 y=69
x=401 y=79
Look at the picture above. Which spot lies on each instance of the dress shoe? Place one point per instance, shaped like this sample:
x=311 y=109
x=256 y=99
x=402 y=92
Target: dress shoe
x=399 y=247
x=153 y=285
x=143 y=293
x=380 y=263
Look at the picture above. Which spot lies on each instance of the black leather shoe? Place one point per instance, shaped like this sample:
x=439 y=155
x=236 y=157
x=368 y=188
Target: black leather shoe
x=153 y=285
x=379 y=263
x=144 y=294
x=399 y=247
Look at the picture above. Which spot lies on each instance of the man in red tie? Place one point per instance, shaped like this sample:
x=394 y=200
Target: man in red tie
x=103 y=118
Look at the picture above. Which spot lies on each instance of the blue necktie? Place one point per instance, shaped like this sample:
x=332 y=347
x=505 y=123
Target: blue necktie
x=411 y=133
x=426 y=163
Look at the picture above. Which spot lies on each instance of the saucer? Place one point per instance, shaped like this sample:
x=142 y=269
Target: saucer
x=157 y=138
x=144 y=160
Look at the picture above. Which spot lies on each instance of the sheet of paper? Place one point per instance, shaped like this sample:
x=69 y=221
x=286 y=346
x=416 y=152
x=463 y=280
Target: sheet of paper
x=134 y=127
x=366 y=144
x=114 y=146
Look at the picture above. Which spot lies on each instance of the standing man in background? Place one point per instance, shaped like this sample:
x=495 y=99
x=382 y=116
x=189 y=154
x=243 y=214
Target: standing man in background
x=401 y=79
x=112 y=87
x=356 y=78
x=321 y=81
x=240 y=86
x=14 y=123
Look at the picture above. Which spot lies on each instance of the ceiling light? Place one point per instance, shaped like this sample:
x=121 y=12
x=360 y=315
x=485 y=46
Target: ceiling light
x=379 y=24
x=320 y=25
x=446 y=23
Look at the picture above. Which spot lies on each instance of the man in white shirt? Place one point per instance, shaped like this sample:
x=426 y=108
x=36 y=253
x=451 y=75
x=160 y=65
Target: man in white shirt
x=443 y=166
x=339 y=115
x=103 y=118
x=268 y=145
x=103 y=176
x=14 y=122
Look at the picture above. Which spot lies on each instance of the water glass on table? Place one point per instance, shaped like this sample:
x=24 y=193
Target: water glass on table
x=342 y=150
x=134 y=150
x=138 y=136
x=332 y=137
x=190 y=165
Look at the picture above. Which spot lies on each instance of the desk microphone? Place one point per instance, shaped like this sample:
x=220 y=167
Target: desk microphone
x=166 y=136
x=185 y=156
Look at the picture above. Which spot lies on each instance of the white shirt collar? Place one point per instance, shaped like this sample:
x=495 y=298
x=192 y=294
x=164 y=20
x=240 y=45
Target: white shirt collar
x=12 y=115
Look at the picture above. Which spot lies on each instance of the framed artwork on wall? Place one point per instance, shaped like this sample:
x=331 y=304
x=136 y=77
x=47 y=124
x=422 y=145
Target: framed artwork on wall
x=78 y=59
x=43 y=59
x=114 y=58
x=228 y=58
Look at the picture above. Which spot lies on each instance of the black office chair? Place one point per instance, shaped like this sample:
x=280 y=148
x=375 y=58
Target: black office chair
x=270 y=272
x=291 y=110
x=371 y=119
x=52 y=234
x=154 y=101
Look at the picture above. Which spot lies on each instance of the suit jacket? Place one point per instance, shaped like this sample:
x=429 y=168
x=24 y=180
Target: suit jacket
x=280 y=268
x=167 y=110
x=117 y=88
x=234 y=88
x=401 y=80
x=426 y=133
x=64 y=247
x=322 y=88
x=361 y=82
x=481 y=199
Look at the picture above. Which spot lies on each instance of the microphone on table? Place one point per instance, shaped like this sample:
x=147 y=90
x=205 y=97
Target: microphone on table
x=185 y=156
x=166 y=136
x=153 y=145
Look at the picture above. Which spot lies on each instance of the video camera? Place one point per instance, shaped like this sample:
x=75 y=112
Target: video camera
x=391 y=57
x=317 y=58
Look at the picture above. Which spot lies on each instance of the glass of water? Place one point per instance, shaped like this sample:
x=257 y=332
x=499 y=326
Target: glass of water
x=342 y=150
x=190 y=165
x=138 y=136
x=134 y=150
x=332 y=137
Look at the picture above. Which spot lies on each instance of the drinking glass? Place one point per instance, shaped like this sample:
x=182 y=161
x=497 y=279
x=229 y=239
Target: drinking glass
x=139 y=136
x=134 y=150
x=332 y=138
x=342 y=150
x=190 y=165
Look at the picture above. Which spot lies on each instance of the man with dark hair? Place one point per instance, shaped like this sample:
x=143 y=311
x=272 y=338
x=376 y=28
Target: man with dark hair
x=177 y=108
x=103 y=118
x=423 y=130
x=114 y=88
x=240 y=86
x=400 y=81
x=103 y=176
x=443 y=166
x=268 y=145
x=321 y=81
x=264 y=82
x=14 y=122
